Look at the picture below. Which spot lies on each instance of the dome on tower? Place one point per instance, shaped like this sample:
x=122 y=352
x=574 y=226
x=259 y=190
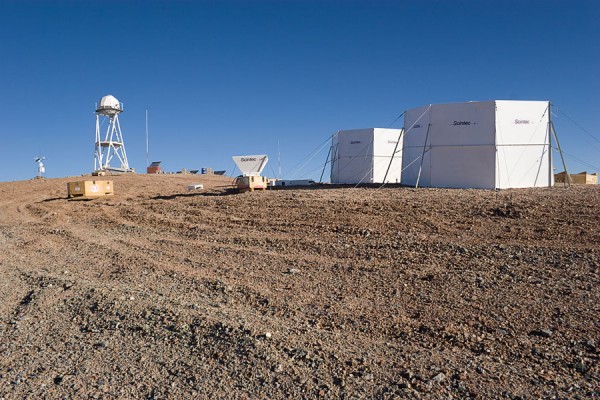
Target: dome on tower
x=109 y=105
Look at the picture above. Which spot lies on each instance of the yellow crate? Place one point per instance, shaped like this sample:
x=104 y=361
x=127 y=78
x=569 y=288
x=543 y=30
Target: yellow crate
x=251 y=183
x=90 y=189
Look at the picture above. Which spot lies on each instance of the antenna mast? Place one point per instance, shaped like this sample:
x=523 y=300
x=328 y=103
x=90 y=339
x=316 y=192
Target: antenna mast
x=147 y=139
x=279 y=158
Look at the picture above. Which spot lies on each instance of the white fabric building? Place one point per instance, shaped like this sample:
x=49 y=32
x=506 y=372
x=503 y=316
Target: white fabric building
x=489 y=145
x=363 y=156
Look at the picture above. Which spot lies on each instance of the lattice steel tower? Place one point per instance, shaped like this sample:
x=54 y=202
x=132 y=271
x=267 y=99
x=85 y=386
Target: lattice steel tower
x=112 y=144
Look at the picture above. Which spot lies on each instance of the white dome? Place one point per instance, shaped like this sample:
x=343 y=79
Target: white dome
x=109 y=102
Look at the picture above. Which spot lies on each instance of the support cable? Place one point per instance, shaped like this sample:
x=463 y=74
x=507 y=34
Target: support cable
x=580 y=161
x=397 y=118
x=310 y=156
x=577 y=124
x=309 y=159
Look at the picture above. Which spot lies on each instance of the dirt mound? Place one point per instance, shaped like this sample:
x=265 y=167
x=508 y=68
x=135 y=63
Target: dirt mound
x=161 y=292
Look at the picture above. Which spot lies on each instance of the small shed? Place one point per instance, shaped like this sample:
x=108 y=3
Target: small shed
x=582 y=178
x=154 y=168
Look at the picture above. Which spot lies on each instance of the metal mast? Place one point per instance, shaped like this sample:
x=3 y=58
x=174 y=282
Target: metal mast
x=552 y=131
x=147 y=148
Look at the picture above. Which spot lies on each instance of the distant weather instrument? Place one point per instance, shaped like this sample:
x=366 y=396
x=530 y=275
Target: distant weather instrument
x=40 y=166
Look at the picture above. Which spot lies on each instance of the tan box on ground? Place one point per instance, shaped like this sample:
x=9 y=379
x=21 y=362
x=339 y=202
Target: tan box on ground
x=90 y=189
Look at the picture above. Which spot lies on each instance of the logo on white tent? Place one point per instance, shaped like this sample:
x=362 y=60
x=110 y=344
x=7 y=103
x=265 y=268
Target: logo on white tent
x=522 y=121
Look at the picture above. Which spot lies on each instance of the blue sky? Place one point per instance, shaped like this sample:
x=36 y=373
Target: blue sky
x=223 y=78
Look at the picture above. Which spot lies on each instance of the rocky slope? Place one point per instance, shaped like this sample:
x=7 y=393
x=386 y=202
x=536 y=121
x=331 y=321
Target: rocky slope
x=341 y=293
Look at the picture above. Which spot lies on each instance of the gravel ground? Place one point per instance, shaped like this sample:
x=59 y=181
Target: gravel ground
x=341 y=293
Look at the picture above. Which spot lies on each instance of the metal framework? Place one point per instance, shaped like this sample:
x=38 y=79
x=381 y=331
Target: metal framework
x=112 y=145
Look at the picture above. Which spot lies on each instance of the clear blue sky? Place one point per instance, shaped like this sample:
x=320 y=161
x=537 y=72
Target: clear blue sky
x=223 y=78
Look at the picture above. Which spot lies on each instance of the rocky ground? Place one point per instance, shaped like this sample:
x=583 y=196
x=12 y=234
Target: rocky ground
x=341 y=293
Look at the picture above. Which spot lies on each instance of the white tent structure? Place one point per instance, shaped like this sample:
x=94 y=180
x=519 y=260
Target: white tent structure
x=488 y=145
x=372 y=155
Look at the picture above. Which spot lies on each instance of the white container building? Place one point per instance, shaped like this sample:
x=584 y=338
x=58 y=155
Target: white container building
x=363 y=156
x=488 y=145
